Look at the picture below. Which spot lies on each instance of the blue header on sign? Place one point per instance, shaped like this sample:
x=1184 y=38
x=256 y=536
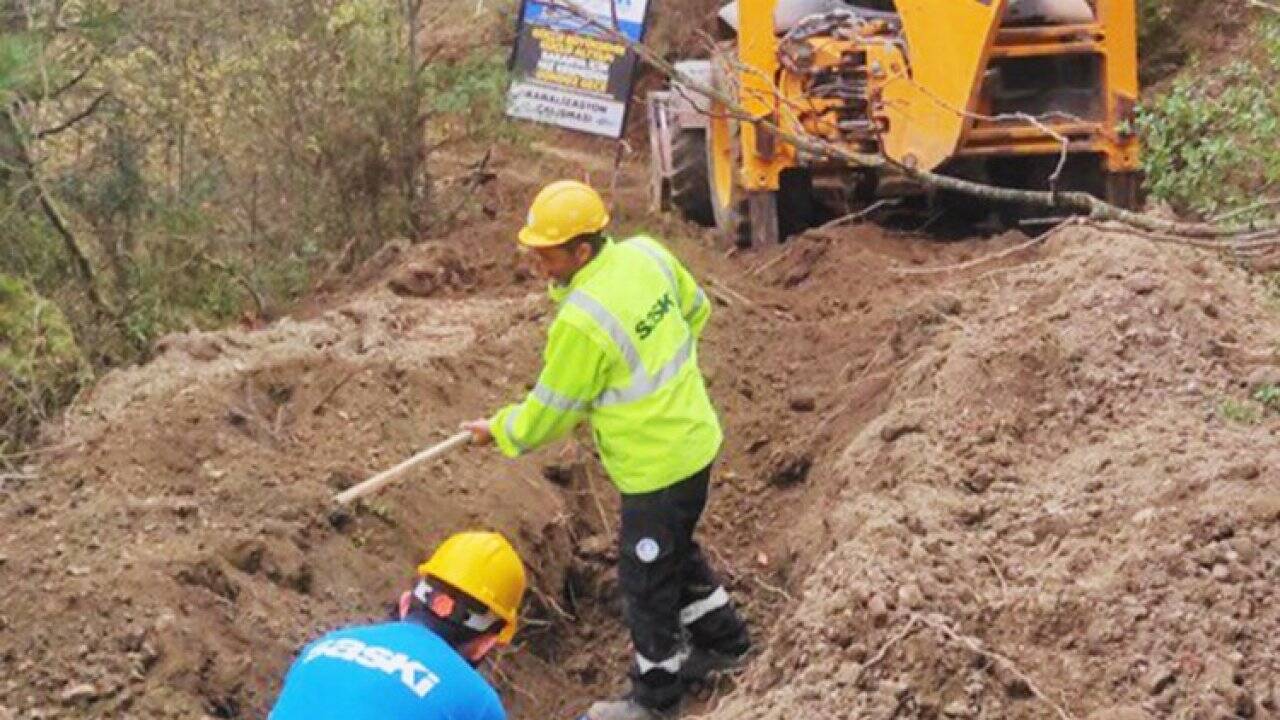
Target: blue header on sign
x=559 y=18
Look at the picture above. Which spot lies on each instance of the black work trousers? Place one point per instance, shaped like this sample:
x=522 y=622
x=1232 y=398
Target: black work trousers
x=672 y=598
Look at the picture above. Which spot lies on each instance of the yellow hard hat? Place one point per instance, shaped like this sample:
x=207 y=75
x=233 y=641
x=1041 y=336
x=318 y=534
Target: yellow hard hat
x=562 y=211
x=485 y=567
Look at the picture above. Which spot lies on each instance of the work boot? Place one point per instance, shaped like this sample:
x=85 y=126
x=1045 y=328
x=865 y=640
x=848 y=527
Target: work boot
x=724 y=653
x=626 y=709
x=701 y=663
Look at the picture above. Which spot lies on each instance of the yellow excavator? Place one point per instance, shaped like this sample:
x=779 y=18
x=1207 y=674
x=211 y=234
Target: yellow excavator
x=1028 y=94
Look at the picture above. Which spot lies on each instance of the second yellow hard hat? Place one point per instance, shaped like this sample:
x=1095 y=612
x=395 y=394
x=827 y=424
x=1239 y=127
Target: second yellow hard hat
x=485 y=567
x=562 y=211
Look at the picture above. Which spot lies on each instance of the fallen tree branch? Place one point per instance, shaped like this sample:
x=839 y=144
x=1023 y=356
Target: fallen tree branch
x=976 y=646
x=1037 y=240
x=855 y=217
x=888 y=644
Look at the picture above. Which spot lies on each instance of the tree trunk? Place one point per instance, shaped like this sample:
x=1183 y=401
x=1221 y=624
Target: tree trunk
x=419 y=177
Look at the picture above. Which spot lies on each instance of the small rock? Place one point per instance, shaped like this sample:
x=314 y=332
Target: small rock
x=1142 y=283
x=979 y=480
x=878 y=609
x=948 y=304
x=1245 y=705
x=802 y=402
x=78 y=693
x=415 y=280
x=1264 y=376
x=1025 y=537
x=970 y=514
x=558 y=474
x=246 y=555
x=78 y=571
x=956 y=709
x=1246 y=549
x=1045 y=410
x=340 y=519
x=898 y=428
x=1159 y=678
x=1244 y=470
x=788 y=468
x=1143 y=516
x=1219 y=675
x=910 y=596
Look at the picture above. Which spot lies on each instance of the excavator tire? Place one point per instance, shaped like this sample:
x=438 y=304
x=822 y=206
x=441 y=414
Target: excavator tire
x=690 y=187
x=729 y=205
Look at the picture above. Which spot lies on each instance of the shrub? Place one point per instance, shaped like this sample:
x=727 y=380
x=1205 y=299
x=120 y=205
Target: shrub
x=1212 y=142
x=41 y=366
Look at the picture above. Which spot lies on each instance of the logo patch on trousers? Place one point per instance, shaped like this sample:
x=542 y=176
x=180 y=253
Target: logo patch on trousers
x=647 y=550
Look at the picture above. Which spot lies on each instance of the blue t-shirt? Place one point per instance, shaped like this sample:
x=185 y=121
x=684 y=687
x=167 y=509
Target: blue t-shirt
x=390 y=671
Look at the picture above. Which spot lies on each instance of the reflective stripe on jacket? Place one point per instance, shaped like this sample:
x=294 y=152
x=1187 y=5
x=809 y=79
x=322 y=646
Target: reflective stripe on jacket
x=622 y=353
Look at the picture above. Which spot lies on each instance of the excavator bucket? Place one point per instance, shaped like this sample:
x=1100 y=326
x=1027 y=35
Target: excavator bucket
x=929 y=105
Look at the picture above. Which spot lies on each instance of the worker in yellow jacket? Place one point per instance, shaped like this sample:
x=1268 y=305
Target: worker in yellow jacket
x=622 y=354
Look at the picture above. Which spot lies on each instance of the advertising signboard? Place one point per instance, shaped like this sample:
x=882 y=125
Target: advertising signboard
x=567 y=71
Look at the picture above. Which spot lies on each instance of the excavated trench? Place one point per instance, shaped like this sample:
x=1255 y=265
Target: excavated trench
x=924 y=445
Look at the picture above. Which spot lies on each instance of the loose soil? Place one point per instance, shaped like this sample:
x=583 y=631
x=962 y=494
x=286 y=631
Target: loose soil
x=1029 y=486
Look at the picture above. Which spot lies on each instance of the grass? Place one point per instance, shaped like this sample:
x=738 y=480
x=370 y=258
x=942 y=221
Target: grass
x=1271 y=290
x=1268 y=396
x=1239 y=411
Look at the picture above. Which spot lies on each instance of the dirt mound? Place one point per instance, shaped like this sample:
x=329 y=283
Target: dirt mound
x=950 y=486
x=1054 y=514
x=183 y=532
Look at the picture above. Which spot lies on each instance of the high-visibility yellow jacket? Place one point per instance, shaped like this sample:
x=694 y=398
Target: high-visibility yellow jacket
x=622 y=353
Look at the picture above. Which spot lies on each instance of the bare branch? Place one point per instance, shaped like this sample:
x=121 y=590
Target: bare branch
x=76 y=79
x=71 y=121
x=53 y=213
x=239 y=277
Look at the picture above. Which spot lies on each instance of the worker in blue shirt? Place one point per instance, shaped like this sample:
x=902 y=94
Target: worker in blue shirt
x=421 y=667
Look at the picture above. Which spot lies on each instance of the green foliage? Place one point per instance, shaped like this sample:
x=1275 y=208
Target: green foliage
x=40 y=364
x=1269 y=396
x=1239 y=411
x=1271 y=290
x=268 y=142
x=1212 y=142
x=1160 y=35
x=16 y=65
x=235 y=152
x=474 y=87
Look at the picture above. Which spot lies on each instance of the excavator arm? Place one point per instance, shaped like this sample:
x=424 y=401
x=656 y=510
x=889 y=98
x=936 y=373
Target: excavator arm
x=929 y=100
